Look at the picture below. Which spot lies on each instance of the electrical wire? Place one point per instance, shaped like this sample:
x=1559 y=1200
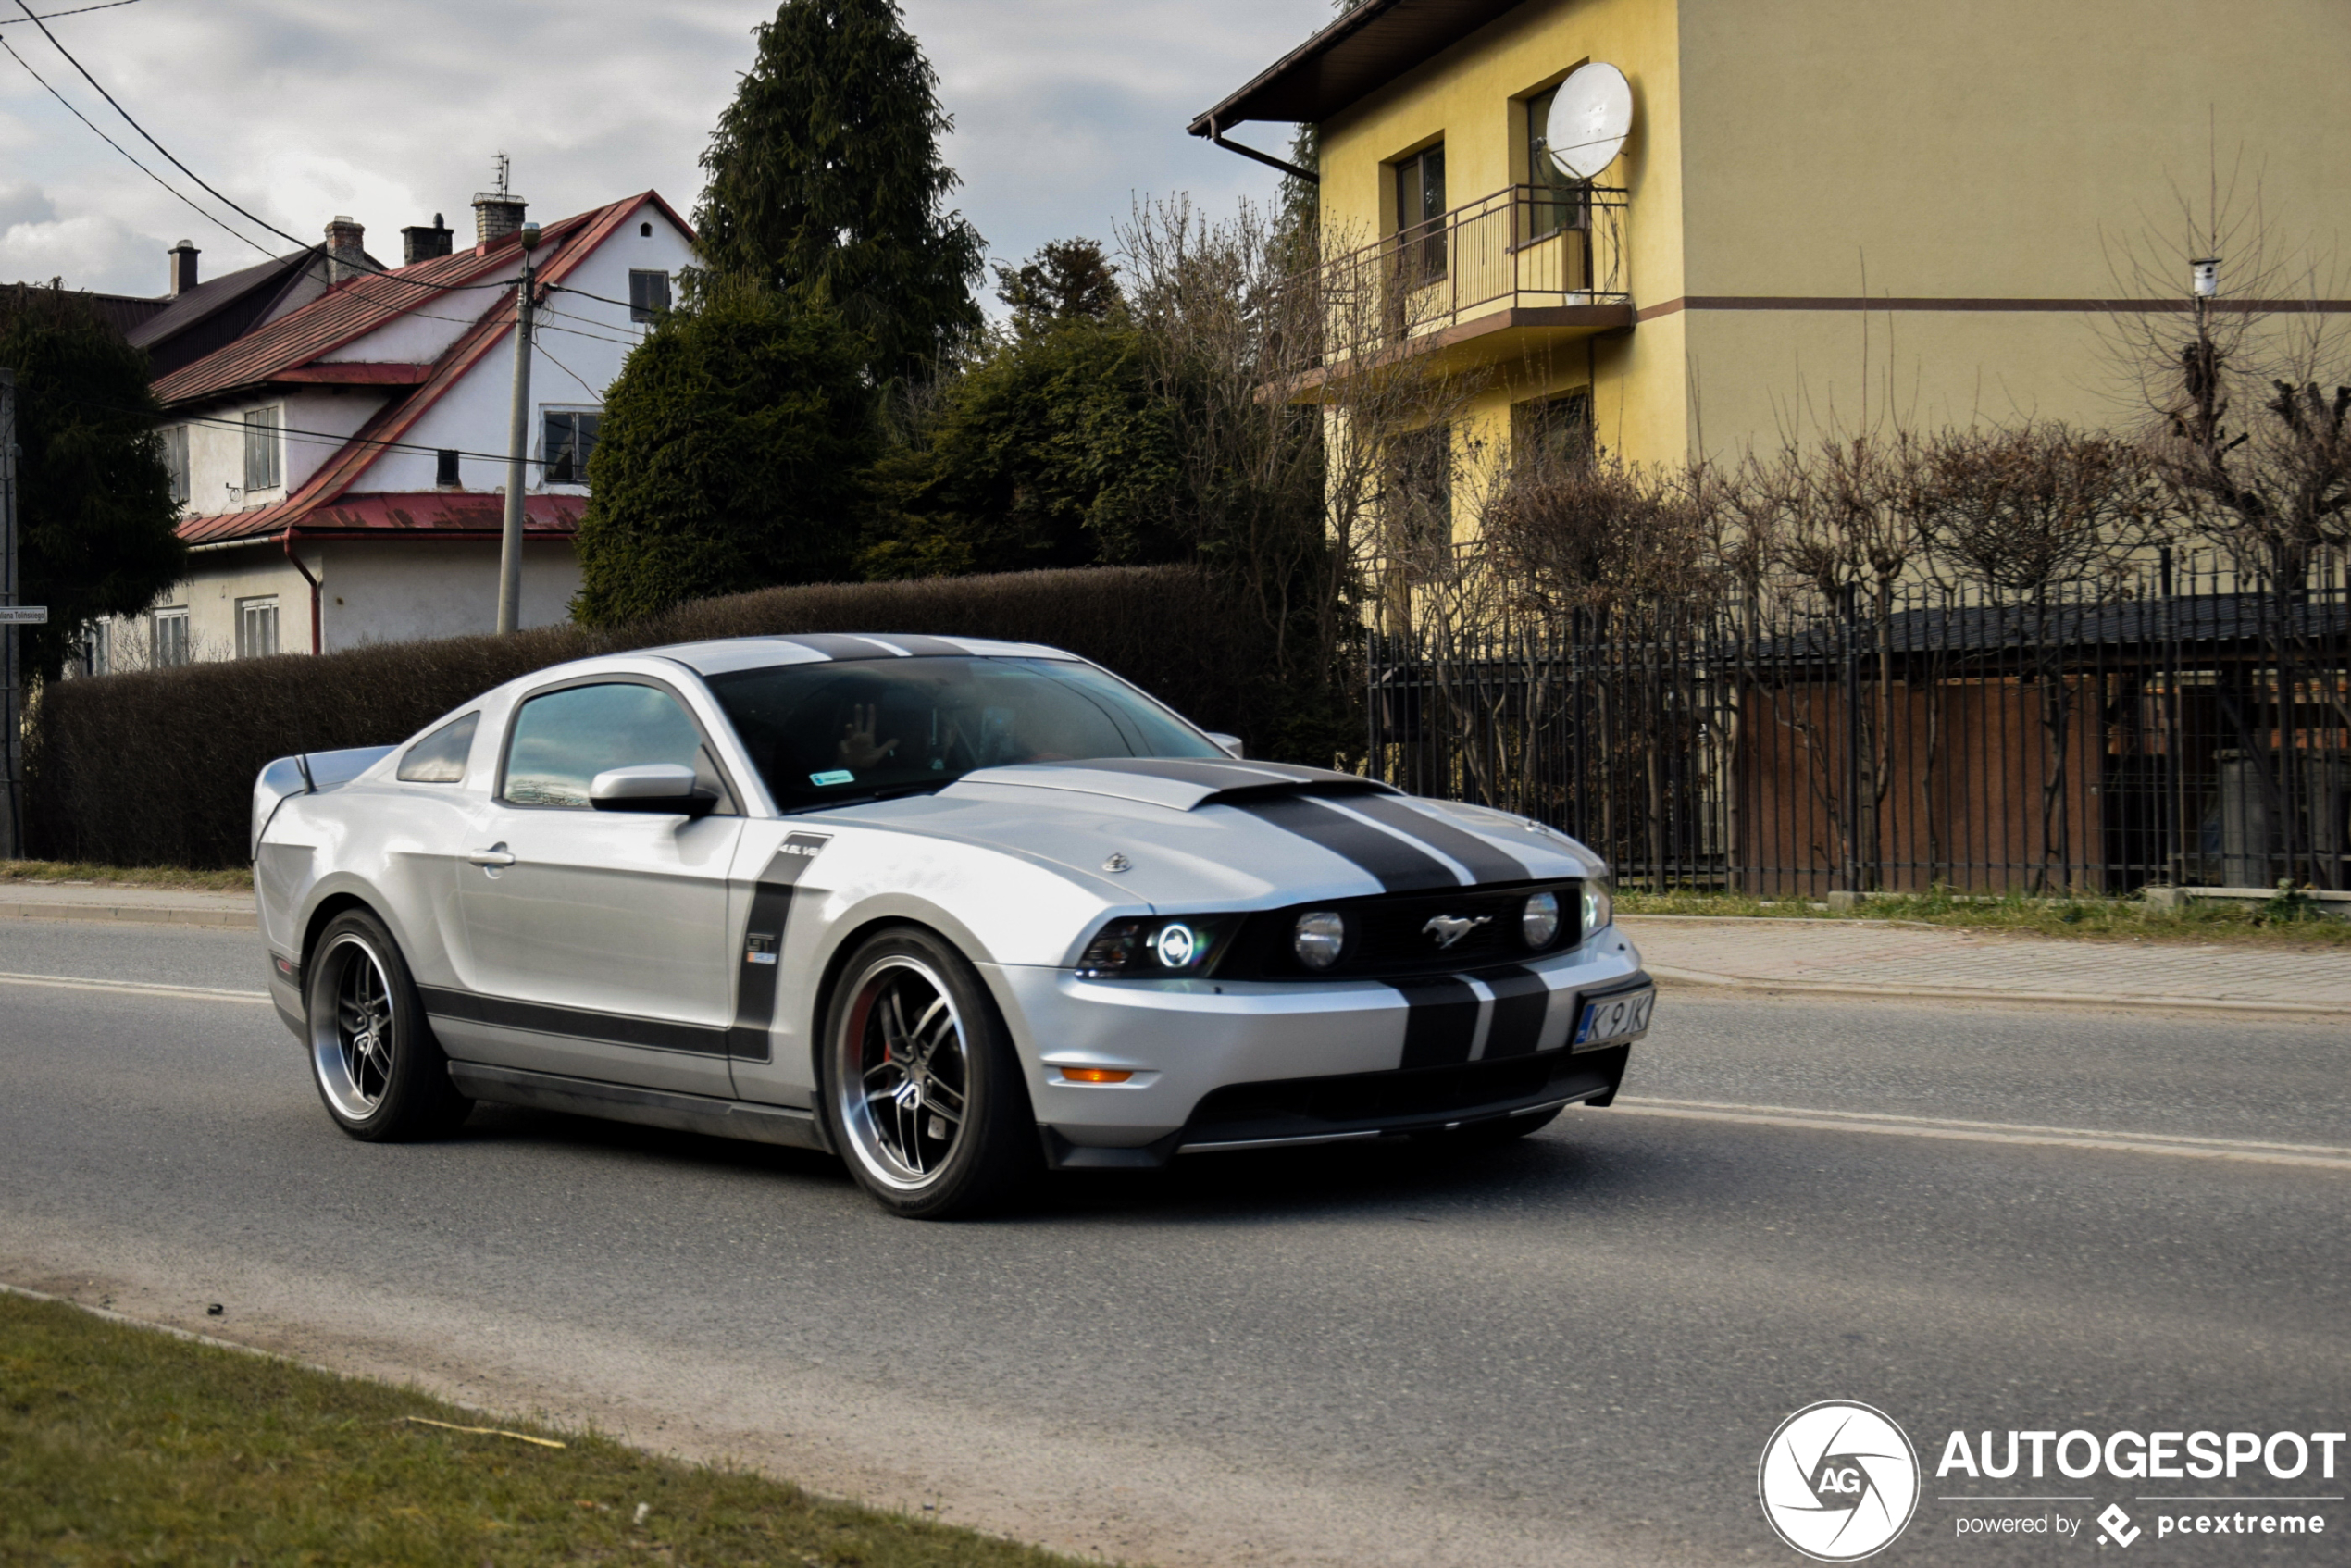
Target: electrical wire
x=125 y=151
x=570 y=371
x=78 y=11
x=314 y=437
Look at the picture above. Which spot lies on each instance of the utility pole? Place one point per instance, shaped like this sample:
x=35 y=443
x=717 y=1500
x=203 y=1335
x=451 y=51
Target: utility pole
x=517 y=447
x=9 y=715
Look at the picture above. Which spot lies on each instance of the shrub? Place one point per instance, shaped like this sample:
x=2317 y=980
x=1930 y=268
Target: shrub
x=156 y=767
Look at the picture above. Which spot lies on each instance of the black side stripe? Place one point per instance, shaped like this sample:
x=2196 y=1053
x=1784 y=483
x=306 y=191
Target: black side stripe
x=1440 y=1024
x=1399 y=867
x=610 y=1028
x=1485 y=862
x=1521 y=1003
x=763 y=955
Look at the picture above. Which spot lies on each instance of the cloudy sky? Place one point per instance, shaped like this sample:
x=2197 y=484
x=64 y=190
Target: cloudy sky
x=391 y=110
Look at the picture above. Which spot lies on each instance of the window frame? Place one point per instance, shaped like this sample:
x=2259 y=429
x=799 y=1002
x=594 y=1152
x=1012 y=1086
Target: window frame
x=175 y=463
x=248 y=609
x=447 y=472
x=271 y=447
x=648 y=310
x=730 y=795
x=1423 y=242
x=548 y=414
x=176 y=616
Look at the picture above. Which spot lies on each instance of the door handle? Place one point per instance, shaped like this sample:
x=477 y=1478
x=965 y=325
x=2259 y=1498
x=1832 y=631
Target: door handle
x=496 y=854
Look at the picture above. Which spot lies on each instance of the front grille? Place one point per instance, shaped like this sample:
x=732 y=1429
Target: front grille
x=1389 y=936
x=1403 y=1101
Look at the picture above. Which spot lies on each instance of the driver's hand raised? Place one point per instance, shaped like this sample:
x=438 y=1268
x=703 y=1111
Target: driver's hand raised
x=858 y=749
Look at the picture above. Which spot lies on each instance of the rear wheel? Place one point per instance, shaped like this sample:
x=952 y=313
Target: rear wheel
x=921 y=1089
x=377 y=1065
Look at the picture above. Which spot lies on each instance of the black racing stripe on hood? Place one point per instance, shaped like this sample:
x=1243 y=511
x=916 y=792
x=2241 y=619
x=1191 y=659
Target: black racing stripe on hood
x=1399 y=867
x=837 y=645
x=1228 y=774
x=1486 y=862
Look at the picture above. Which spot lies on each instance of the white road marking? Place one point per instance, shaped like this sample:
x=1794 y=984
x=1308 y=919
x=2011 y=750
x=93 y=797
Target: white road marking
x=134 y=987
x=2325 y=1156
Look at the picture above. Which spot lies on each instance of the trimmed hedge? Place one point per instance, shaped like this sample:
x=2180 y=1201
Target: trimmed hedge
x=156 y=767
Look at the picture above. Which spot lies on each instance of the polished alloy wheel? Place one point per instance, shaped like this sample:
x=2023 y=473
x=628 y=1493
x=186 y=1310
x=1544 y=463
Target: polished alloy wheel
x=352 y=1031
x=902 y=1072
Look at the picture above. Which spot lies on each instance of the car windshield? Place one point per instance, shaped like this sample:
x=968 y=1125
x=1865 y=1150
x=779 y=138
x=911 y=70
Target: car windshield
x=824 y=734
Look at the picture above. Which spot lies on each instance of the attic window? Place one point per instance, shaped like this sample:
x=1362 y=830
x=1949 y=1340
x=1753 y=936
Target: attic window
x=648 y=295
x=444 y=468
x=571 y=436
x=262 y=468
x=645 y=231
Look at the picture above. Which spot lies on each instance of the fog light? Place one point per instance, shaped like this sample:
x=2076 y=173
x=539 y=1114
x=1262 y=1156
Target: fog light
x=1540 y=920
x=1096 y=1074
x=1321 y=935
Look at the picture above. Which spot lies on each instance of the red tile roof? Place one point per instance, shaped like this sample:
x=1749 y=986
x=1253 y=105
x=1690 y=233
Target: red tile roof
x=443 y=513
x=288 y=348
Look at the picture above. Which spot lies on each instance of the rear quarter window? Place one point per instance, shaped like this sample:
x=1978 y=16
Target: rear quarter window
x=440 y=757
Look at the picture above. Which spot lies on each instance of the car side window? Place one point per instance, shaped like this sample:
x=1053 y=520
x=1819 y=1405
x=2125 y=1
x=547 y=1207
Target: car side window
x=561 y=741
x=440 y=757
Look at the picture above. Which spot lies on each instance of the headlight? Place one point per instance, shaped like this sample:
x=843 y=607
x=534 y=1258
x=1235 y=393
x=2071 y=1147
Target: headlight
x=1141 y=948
x=1319 y=938
x=1599 y=907
x=1539 y=922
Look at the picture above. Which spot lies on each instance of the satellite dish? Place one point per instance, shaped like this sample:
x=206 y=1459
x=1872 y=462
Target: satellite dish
x=1591 y=115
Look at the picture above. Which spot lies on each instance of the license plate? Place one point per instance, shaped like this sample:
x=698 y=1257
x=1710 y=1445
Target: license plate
x=1612 y=1019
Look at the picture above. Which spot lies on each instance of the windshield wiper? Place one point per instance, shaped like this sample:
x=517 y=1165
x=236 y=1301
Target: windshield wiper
x=866 y=797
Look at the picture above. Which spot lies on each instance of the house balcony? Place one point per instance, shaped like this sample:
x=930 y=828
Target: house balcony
x=1512 y=276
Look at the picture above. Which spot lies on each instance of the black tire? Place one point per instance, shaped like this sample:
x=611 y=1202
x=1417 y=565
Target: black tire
x=930 y=1112
x=377 y=1068
x=1493 y=1133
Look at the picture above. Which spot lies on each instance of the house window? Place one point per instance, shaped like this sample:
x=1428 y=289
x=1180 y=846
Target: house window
x=95 y=655
x=1555 y=431
x=257 y=628
x=263 y=467
x=1418 y=498
x=571 y=436
x=444 y=469
x=648 y=295
x=1556 y=200
x=169 y=639
x=175 y=460
x=1419 y=213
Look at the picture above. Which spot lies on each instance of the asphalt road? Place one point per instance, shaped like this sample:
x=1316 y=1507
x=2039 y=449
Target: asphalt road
x=1570 y=1351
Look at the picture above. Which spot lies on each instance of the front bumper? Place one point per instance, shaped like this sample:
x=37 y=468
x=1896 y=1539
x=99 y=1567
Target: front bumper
x=1232 y=1065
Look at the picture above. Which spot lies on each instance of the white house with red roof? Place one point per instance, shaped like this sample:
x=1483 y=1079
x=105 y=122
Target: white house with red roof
x=343 y=467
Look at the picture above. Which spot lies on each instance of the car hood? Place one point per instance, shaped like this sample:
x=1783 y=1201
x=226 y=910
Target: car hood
x=1195 y=836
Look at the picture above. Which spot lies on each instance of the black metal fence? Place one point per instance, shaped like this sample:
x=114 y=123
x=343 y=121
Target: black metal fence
x=2184 y=726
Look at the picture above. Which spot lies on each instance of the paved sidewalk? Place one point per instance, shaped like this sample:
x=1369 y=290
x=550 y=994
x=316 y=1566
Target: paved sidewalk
x=162 y=906
x=1881 y=958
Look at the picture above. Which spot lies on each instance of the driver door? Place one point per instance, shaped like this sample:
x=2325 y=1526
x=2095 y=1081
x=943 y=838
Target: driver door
x=595 y=942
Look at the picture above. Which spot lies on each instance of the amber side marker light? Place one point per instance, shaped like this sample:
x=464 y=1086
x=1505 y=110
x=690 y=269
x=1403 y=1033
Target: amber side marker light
x=1096 y=1074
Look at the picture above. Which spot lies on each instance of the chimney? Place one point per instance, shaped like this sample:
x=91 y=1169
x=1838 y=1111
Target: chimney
x=346 y=254
x=422 y=242
x=184 y=267
x=496 y=214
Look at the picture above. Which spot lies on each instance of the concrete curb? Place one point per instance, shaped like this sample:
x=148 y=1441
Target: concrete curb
x=151 y=914
x=1991 y=993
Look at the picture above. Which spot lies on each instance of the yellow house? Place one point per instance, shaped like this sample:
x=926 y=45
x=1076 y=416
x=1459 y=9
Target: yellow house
x=1826 y=211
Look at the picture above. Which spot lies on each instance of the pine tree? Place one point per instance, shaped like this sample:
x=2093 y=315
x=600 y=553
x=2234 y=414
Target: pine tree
x=825 y=178
x=96 y=517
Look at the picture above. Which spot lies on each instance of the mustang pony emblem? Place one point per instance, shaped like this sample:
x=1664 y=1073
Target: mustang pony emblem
x=1450 y=928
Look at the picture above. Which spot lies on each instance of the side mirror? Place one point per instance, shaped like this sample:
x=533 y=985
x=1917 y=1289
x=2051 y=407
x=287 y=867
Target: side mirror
x=1232 y=744
x=661 y=789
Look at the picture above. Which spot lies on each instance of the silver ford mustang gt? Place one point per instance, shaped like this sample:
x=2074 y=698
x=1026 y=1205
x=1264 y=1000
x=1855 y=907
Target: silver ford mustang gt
x=948 y=908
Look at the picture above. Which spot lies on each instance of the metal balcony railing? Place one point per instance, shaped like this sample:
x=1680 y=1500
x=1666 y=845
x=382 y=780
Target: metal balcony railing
x=1525 y=247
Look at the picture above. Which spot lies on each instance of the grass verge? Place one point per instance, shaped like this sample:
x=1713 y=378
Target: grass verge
x=165 y=876
x=121 y=1445
x=2213 y=921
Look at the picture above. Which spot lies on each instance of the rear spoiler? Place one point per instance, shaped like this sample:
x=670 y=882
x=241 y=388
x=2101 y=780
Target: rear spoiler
x=306 y=773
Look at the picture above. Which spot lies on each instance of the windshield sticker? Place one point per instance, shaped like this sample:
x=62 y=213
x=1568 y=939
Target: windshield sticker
x=837 y=775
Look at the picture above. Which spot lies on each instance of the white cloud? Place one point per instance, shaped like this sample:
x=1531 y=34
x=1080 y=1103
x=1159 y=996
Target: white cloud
x=298 y=110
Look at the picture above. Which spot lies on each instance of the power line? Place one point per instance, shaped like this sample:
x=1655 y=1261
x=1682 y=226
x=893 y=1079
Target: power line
x=142 y=129
x=108 y=5
x=321 y=437
x=120 y=148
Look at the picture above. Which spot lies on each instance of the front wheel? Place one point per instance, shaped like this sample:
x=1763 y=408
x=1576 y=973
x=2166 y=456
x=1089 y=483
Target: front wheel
x=922 y=1089
x=378 y=1068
